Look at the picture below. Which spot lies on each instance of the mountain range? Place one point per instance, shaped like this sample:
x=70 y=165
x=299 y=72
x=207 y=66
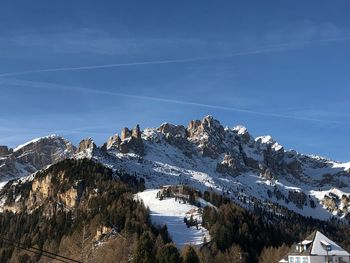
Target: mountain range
x=205 y=155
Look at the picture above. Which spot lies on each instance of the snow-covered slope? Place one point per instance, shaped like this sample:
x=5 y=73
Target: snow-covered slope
x=172 y=213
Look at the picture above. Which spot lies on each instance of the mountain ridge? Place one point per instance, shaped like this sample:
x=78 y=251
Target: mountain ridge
x=207 y=155
x=33 y=155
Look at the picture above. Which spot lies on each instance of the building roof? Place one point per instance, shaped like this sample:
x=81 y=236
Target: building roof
x=316 y=244
x=321 y=242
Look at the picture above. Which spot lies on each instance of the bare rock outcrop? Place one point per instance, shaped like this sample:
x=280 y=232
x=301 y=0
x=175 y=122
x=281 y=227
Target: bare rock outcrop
x=208 y=135
x=273 y=155
x=135 y=143
x=172 y=131
x=130 y=140
x=87 y=145
x=176 y=135
x=228 y=166
x=136 y=132
x=113 y=142
x=4 y=151
x=126 y=133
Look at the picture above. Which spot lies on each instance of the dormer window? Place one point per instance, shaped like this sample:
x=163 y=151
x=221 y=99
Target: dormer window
x=326 y=246
x=299 y=247
x=305 y=244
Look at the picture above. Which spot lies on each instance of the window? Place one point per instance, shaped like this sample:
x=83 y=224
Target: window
x=305 y=260
x=291 y=260
x=297 y=259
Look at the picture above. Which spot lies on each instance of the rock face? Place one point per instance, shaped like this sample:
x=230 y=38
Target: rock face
x=130 y=141
x=113 y=142
x=335 y=203
x=87 y=145
x=50 y=189
x=133 y=141
x=33 y=156
x=4 y=151
x=125 y=133
x=273 y=156
x=176 y=135
x=172 y=131
x=136 y=132
x=208 y=135
x=228 y=166
x=240 y=150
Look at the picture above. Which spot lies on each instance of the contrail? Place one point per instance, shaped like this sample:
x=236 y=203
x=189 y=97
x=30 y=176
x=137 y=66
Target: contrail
x=51 y=86
x=266 y=49
x=151 y=62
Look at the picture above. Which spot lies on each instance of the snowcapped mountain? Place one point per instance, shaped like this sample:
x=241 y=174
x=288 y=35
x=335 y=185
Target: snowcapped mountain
x=32 y=156
x=250 y=170
x=206 y=155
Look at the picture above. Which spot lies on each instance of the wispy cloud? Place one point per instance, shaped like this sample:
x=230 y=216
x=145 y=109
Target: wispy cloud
x=97 y=42
x=51 y=86
x=255 y=51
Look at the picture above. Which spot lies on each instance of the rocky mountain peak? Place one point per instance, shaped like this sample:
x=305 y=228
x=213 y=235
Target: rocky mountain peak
x=240 y=129
x=170 y=130
x=136 y=132
x=268 y=141
x=208 y=135
x=126 y=133
x=113 y=142
x=208 y=125
x=33 y=155
x=133 y=142
x=130 y=140
x=193 y=127
x=209 y=122
x=50 y=140
x=242 y=132
x=86 y=145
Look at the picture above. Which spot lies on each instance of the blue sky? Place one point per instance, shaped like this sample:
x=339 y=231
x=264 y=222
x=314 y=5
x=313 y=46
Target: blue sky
x=88 y=68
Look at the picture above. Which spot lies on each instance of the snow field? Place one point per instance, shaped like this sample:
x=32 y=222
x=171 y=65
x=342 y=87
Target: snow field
x=172 y=213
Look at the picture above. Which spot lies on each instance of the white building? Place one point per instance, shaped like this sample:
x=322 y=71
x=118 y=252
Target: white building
x=317 y=248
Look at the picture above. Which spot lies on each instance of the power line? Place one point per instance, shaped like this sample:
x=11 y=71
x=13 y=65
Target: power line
x=39 y=251
x=33 y=251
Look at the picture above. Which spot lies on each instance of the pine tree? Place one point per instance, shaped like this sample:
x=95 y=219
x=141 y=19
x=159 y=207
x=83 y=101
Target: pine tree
x=144 y=251
x=189 y=255
x=169 y=254
x=273 y=254
x=163 y=232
